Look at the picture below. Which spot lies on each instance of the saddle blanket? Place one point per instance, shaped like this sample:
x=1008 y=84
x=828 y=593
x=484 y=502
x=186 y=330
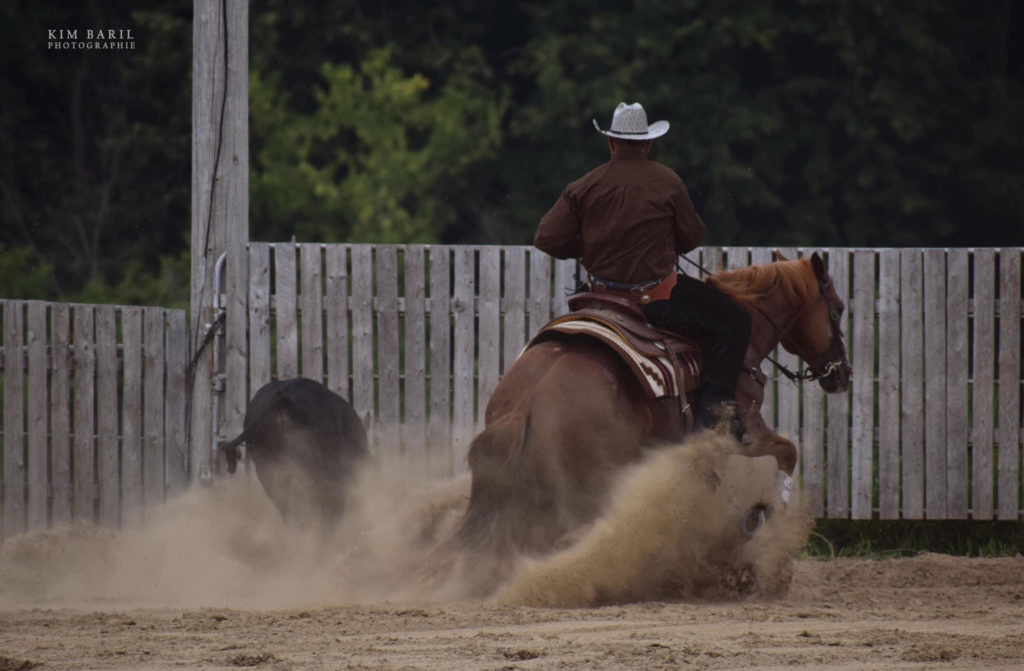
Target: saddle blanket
x=649 y=361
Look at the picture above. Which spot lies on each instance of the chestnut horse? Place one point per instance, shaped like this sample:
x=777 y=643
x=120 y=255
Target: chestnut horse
x=568 y=415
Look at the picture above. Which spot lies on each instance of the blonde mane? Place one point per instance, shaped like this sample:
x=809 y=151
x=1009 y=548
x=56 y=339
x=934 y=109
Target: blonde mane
x=785 y=279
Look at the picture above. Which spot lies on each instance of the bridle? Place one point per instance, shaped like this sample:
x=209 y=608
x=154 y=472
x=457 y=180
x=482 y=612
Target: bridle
x=809 y=373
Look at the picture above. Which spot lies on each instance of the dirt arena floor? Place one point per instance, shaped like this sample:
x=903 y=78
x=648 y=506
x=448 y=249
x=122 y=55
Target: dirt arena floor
x=215 y=581
x=931 y=611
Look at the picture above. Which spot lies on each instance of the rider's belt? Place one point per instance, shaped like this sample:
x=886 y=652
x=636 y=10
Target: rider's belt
x=644 y=292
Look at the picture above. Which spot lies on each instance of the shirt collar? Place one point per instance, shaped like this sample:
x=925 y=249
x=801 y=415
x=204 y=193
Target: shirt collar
x=627 y=153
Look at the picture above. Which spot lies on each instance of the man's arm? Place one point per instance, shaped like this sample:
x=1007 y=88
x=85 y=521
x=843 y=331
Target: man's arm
x=689 y=227
x=559 y=231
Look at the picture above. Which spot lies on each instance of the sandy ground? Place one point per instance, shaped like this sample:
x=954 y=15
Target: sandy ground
x=214 y=580
x=931 y=611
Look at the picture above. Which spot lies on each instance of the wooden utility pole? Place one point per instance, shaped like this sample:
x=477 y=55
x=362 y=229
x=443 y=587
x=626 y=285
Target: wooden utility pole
x=220 y=221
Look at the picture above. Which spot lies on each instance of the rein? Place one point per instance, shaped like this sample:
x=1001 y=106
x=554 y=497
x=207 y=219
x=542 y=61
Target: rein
x=809 y=374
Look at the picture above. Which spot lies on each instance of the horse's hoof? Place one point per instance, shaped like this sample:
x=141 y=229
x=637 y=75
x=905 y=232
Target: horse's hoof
x=752 y=521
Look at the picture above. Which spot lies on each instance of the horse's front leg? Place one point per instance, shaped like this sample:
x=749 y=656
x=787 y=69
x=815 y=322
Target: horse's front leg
x=765 y=441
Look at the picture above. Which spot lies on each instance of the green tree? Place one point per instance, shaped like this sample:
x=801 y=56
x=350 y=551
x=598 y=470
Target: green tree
x=378 y=158
x=815 y=122
x=24 y=273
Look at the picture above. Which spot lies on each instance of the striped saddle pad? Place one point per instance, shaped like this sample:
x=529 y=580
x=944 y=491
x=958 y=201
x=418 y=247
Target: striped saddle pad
x=664 y=365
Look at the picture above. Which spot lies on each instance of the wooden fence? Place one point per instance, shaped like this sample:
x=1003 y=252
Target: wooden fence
x=417 y=337
x=93 y=400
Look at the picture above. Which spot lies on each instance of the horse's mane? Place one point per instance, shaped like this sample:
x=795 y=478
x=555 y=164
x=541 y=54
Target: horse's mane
x=785 y=279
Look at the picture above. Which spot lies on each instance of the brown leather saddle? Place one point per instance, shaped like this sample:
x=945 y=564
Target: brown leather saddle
x=666 y=366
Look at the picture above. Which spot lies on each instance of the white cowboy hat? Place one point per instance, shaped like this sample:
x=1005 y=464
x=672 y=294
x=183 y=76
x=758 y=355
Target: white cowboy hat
x=629 y=122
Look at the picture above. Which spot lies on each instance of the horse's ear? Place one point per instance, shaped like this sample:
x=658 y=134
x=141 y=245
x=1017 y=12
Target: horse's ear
x=820 y=271
x=781 y=257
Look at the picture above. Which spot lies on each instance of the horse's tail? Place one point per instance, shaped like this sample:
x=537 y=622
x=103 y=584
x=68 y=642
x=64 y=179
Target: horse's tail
x=497 y=519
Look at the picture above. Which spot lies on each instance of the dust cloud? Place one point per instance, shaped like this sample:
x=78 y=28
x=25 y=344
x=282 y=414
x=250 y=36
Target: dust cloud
x=671 y=531
x=226 y=545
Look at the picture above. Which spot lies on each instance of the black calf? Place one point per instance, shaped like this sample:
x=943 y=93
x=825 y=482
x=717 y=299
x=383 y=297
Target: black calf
x=306 y=443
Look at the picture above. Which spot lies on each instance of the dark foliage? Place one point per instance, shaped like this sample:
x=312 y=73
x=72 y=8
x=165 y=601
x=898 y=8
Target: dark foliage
x=805 y=122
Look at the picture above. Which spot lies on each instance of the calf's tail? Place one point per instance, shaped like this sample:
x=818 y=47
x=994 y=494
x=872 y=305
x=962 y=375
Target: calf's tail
x=230 y=447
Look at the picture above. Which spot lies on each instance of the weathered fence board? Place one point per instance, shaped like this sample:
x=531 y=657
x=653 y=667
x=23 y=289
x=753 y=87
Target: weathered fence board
x=862 y=357
x=539 y=303
x=439 y=426
x=888 y=384
x=488 y=328
x=131 y=412
x=414 y=362
x=259 y=316
x=83 y=453
x=109 y=460
x=811 y=445
x=463 y=296
x=515 y=305
x=1009 y=424
x=935 y=383
x=75 y=389
x=175 y=442
x=14 y=429
x=912 y=383
x=153 y=411
x=60 y=412
x=362 y=331
x=956 y=384
x=286 y=311
x=837 y=408
x=38 y=400
x=311 y=312
x=387 y=350
x=337 y=322
x=983 y=386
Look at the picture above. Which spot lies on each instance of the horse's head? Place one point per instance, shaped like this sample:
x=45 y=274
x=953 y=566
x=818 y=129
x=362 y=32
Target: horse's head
x=817 y=337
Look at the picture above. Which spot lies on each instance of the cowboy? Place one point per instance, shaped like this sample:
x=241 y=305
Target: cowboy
x=629 y=220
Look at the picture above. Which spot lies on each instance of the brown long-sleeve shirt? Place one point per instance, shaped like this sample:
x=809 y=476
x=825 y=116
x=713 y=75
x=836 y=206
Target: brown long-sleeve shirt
x=627 y=219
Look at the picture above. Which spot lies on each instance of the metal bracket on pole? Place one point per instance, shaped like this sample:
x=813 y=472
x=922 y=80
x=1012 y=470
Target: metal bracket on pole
x=217 y=373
